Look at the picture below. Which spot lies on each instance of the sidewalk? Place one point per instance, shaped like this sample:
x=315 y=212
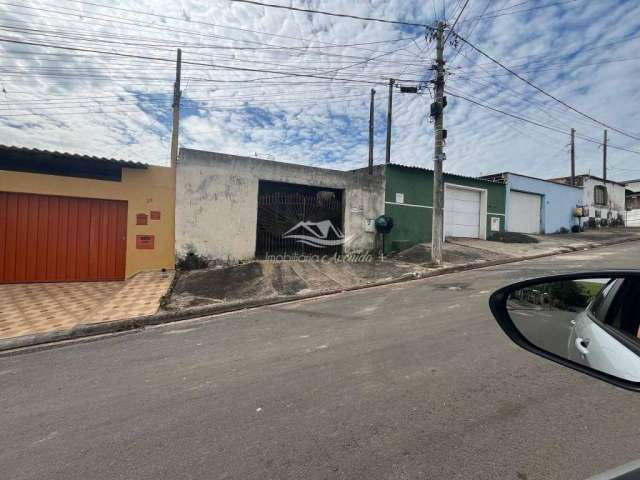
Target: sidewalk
x=550 y=244
x=37 y=308
x=269 y=280
x=40 y=313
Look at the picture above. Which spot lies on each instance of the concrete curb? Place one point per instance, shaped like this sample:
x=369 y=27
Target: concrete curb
x=16 y=345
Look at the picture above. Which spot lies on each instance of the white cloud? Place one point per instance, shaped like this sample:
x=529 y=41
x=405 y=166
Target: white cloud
x=101 y=104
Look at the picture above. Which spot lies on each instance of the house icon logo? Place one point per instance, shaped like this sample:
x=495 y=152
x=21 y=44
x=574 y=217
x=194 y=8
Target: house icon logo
x=316 y=234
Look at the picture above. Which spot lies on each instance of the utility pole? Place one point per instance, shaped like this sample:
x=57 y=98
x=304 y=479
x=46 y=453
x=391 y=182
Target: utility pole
x=176 y=112
x=604 y=158
x=389 y=117
x=573 y=157
x=373 y=92
x=437 y=225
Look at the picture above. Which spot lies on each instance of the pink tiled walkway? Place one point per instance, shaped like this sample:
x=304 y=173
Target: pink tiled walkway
x=42 y=307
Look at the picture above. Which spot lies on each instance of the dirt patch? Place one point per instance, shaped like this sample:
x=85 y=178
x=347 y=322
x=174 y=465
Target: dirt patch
x=452 y=253
x=264 y=279
x=215 y=285
x=419 y=253
x=513 y=237
x=284 y=279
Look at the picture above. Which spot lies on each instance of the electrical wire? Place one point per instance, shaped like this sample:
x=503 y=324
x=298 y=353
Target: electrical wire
x=160 y=59
x=488 y=15
x=456 y=21
x=544 y=92
x=533 y=122
x=164 y=29
x=333 y=14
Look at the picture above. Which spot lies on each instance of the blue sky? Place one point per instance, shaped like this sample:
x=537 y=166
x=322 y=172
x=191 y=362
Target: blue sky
x=581 y=51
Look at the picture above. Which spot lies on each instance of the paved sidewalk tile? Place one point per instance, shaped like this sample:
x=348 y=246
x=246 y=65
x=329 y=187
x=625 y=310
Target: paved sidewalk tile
x=44 y=307
x=140 y=296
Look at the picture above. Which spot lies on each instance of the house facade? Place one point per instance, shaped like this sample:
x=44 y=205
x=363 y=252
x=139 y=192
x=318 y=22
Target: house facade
x=232 y=209
x=632 y=197
x=66 y=217
x=537 y=206
x=474 y=207
x=632 y=185
x=603 y=199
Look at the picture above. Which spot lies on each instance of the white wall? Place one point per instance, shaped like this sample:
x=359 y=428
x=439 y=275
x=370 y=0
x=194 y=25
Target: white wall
x=217 y=201
x=615 y=198
x=559 y=201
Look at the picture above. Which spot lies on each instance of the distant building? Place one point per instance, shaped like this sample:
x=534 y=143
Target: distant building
x=604 y=199
x=632 y=194
x=535 y=205
x=474 y=208
x=632 y=200
x=633 y=185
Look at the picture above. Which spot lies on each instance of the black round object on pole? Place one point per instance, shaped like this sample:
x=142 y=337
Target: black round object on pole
x=384 y=224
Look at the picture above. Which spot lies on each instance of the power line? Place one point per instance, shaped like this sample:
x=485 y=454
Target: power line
x=538 y=124
x=456 y=21
x=528 y=82
x=110 y=19
x=471 y=30
x=332 y=14
x=530 y=59
x=153 y=42
x=160 y=59
x=487 y=16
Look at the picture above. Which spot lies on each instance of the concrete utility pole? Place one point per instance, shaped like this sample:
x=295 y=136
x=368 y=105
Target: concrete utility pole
x=573 y=156
x=373 y=92
x=437 y=225
x=176 y=112
x=604 y=157
x=389 y=118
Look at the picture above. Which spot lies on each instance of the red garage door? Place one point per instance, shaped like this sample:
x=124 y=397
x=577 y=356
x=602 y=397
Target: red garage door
x=45 y=238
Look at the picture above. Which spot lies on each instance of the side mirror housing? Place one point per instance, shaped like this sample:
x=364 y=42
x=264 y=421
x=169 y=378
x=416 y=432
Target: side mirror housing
x=589 y=322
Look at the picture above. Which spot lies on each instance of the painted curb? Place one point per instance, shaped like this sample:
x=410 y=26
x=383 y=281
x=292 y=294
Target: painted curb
x=17 y=345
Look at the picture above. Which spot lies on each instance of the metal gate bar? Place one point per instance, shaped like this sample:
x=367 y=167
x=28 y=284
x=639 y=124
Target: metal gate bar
x=281 y=211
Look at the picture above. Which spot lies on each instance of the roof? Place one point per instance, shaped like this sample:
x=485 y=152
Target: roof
x=587 y=175
x=502 y=174
x=635 y=180
x=424 y=169
x=75 y=156
x=44 y=162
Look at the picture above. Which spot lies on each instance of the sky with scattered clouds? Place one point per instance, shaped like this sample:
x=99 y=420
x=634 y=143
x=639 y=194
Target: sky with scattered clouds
x=295 y=87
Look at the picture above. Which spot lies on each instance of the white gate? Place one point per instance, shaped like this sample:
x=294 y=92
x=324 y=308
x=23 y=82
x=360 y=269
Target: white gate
x=633 y=218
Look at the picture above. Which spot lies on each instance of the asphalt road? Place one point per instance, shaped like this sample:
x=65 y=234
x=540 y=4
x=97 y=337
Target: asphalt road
x=399 y=382
x=549 y=329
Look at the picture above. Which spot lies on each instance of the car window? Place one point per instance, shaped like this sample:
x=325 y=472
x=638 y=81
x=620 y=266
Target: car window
x=600 y=304
x=624 y=313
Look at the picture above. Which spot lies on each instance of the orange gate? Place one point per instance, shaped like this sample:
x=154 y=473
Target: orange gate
x=46 y=238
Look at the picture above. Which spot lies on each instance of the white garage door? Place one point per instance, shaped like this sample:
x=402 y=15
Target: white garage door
x=461 y=212
x=524 y=212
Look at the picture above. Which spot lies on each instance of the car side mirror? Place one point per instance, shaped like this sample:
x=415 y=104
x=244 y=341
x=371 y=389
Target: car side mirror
x=589 y=322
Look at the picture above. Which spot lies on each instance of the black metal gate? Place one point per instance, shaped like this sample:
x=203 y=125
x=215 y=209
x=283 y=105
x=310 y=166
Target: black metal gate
x=298 y=219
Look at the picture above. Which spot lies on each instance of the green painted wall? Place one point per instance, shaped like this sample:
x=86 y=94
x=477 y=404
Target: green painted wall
x=412 y=220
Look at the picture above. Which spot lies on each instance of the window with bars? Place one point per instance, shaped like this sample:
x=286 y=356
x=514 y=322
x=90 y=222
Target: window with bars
x=600 y=195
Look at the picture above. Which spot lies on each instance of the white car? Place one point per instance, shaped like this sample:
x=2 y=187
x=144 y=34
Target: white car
x=602 y=340
x=605 y=336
